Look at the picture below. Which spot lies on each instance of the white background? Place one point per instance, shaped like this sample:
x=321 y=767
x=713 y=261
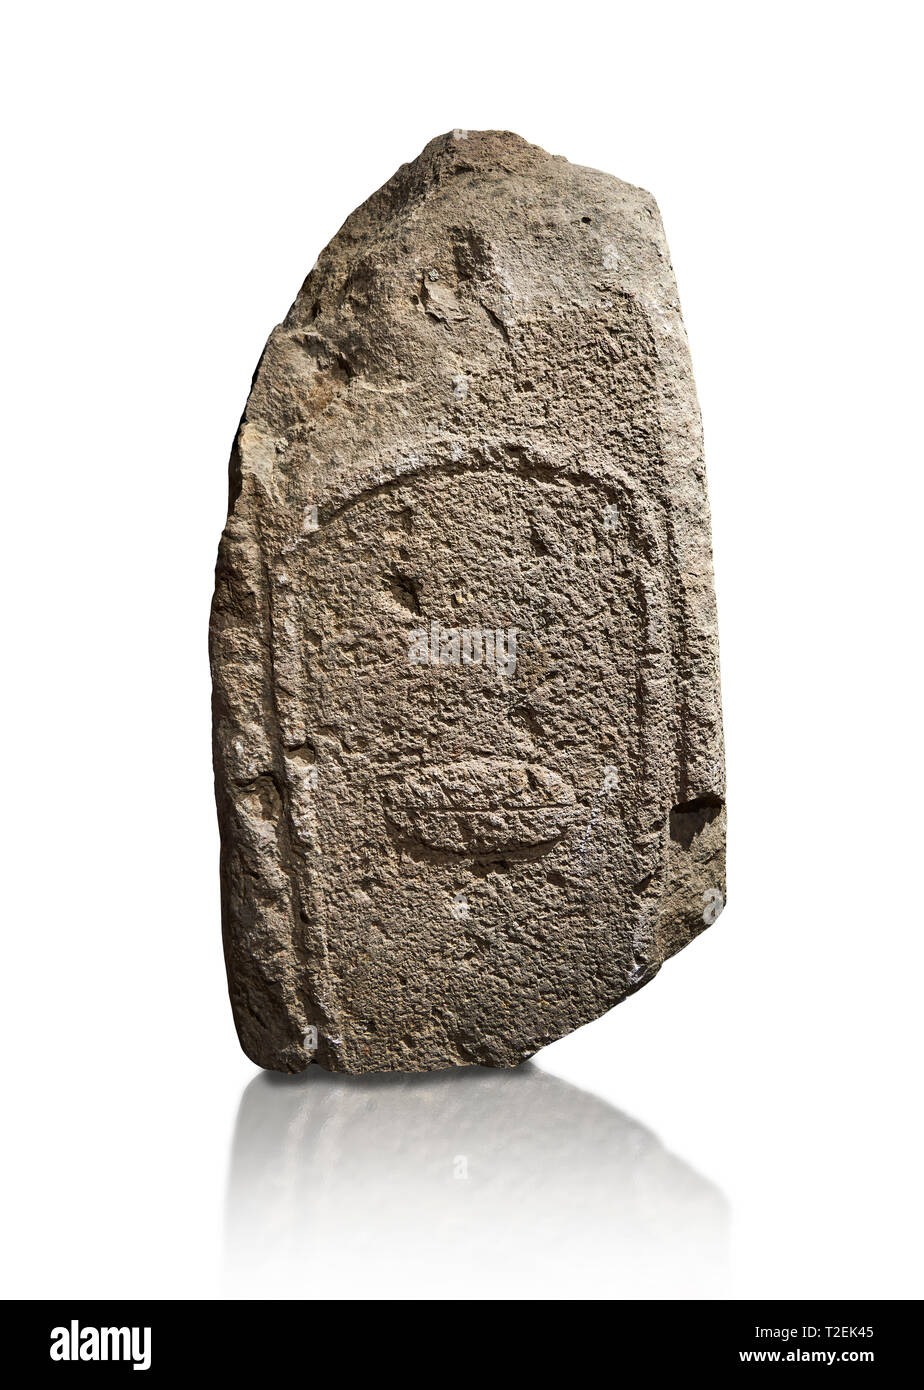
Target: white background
x=173 y=172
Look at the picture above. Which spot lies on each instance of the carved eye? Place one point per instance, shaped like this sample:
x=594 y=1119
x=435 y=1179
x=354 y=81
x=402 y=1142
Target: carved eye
x=482 y=805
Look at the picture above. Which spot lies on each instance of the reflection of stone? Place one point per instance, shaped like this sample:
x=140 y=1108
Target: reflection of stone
x=463 y=638
x=464 y=1184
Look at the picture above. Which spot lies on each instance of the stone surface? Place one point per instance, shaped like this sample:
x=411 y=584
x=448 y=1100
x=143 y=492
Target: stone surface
x=467 y=728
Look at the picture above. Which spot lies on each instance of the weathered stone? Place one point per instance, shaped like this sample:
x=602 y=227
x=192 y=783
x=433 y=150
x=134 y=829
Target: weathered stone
x=467 y=727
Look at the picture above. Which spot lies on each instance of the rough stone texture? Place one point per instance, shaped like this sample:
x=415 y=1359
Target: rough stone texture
x=475 y=435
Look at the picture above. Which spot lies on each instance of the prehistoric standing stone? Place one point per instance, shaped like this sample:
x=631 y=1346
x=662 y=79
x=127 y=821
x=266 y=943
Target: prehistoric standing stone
x=467 y=729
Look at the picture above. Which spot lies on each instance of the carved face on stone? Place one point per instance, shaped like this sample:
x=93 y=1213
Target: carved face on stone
x=476 y=641
x=467 y=723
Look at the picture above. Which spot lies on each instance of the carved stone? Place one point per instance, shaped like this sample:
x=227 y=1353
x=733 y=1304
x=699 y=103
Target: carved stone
x=467 y=728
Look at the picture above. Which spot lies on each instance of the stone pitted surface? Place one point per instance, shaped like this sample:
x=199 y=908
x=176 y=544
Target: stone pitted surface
x=467 y=725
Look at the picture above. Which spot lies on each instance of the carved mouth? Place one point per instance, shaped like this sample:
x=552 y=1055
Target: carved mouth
x=481 y=805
